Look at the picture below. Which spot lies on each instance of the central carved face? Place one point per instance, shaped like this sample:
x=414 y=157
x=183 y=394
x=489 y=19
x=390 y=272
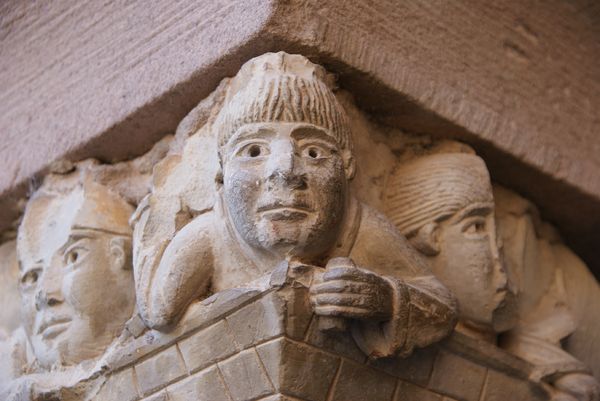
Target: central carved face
x=75 y=290
x=469 y=264
x=285 y=187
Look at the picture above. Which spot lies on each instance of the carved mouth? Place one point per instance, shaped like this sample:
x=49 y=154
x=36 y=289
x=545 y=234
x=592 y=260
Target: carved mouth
x=52 y=327
x=280 y=206
x=285 y=213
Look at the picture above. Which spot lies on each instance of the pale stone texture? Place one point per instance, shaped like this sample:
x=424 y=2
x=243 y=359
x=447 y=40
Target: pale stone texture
x=410 y=392
x=76 y=279
x=281 y=193
x=206 y=385
x=160 y=370
x=367 y=281
x=257 y=322
x=415 y=369
x=299 y=370
x=160 y=396
x=207 y=346
x=457 y=377
x=499 y=386
x=245 y=377
x=518 y=80
x=10 y=314
x=283 y=369
x=120 y=386
x=362 y=384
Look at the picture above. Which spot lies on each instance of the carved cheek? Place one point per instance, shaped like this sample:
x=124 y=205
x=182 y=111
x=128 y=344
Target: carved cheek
x=29 y=310
x=243 y=184
x=327 y=176
x=82 y=286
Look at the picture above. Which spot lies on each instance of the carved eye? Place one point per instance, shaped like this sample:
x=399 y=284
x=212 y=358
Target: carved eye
x=74 y=255
x=315 y=152
x=475 y=227
x=30 y=279
x=254 y=150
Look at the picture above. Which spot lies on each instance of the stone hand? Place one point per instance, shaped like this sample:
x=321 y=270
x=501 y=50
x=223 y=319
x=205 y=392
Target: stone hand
x=581 y=386
x=350 y=292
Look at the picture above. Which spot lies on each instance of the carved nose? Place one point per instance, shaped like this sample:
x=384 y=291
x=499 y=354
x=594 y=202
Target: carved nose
x=288 y=179
x=49 y=291
x=43 y=299
x=284 y=171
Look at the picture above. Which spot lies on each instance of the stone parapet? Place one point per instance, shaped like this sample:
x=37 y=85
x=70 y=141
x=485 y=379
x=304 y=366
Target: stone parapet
x=263 y=343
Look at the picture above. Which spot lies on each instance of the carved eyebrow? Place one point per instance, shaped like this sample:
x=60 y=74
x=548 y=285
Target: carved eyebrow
x=474 y=210
x=80 y=234
x=254 y=132
x=76 y=236
x=37 y=265
x=304 y=131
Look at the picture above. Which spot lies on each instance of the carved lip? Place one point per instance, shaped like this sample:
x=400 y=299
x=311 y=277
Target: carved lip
x=52 y=327
x=285 y=213
x=281 y=206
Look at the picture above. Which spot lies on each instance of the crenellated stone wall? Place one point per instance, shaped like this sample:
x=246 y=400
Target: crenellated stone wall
x=263 y=343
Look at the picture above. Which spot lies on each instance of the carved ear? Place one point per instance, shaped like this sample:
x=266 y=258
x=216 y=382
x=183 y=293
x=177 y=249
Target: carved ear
x=349 y=165
x=120 y=252
x=426 y=240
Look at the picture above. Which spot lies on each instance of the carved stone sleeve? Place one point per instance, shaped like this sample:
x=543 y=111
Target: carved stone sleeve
x=175 y=273
x=421 y=317
x=424 y=310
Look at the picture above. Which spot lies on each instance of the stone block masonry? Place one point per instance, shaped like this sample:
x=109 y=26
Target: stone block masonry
x=206 y=361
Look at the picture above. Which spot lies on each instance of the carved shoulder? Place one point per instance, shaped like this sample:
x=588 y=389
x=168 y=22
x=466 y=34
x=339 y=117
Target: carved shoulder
x=182 y=273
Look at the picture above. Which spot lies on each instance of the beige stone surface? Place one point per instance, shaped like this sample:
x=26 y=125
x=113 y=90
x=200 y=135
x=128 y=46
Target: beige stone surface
x=299 y=370
x=281 y=369
x=519 y=80
x=10 y=299
x=121 y=386
x=204 y=386
x=207 y=346
x=458 y=377
x=245 y=376
x=410 y=392
x=160 y=370
x=279 y=189
x=498 y=386
x=362 y=384
x=278 y=215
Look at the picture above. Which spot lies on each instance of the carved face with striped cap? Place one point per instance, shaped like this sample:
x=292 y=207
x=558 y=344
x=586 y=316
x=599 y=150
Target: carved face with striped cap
x=444 y=204
x=286 y=156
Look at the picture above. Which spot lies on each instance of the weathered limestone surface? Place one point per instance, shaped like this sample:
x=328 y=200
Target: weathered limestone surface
x=245 y=259
x=519 y=80
x=278 y=364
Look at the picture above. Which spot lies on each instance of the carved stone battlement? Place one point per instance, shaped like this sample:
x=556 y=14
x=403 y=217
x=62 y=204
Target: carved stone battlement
x=263 y=342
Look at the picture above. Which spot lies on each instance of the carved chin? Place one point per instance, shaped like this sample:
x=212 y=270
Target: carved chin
x=289 y=232
x=276 y=232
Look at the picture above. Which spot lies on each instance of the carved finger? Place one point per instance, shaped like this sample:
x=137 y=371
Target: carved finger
x=354 y=274
x=354 y=300
x=342 y=286
x=344 y=311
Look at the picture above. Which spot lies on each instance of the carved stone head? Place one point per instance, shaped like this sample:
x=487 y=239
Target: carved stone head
x=77 y=287
x=285 y=151
x=444 y=204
